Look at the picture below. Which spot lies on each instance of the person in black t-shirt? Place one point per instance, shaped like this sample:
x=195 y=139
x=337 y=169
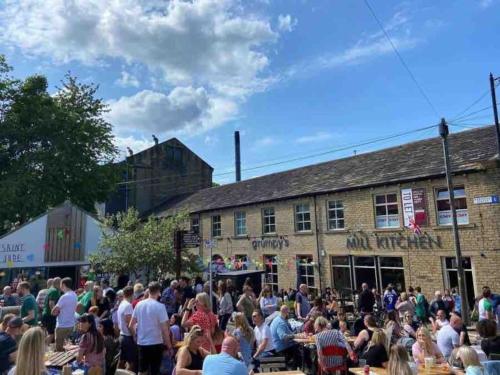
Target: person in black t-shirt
x=8 y=346
x=490 y=341
x=375 y=353
x=366 y=300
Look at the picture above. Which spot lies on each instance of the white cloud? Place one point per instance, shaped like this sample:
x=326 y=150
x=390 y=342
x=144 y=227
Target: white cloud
x=197 y=42
x=316 y=137
x=368 y=47
x=211 y=140
x=136 y=144
x=266 y=141
x=286 y=22
x=127 y=80
x=485 y=3
x=183 y=110
x=216 y=46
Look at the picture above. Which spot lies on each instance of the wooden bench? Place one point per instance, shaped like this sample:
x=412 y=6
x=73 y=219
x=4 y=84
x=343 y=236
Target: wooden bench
x=272 y=364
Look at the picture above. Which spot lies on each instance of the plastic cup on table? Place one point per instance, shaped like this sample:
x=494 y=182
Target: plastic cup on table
x=428 y=362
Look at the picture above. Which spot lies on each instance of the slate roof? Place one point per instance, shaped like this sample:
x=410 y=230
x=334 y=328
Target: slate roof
x=409 y=162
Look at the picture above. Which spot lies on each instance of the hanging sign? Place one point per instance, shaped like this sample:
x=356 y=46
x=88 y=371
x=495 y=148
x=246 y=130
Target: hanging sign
x=414 y=206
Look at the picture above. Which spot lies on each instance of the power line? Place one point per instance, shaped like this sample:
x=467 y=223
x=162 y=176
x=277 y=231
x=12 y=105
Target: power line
x=348 y=147
x=483 y=95
x=405 y=65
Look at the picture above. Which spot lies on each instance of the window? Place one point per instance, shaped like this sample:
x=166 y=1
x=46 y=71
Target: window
x=443 y=206
x=302 y=218
x=216 y=226
x=364 y=272
x=386 y=211
x=268 y=220
x=271 y=271
x=392 y=272
x=240 y=262
x=451 y=276
x=341 y=273
x=195 y=225
x=305 y=270
x=335 y=215
x=240 y=223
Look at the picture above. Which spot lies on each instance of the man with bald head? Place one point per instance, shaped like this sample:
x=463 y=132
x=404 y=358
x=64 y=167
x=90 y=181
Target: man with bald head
x=7 y=297
x=225 y=363
x=282 y=336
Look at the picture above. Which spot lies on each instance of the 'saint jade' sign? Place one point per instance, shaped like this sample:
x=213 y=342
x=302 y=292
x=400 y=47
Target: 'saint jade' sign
x=365 y=242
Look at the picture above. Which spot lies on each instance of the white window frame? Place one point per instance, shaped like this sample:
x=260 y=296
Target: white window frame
x=268 y=221
x=195 y=228
x=303 y=221
x=307 y=267
x=387 y=218
x=462 y=214
x=270 y=273
x=216 y=227
x=347 y=266
x=240 y=223
x=333 y=223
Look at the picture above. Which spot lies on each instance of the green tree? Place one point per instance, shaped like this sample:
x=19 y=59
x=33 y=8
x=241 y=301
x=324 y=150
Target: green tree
x=134 y=247
x=52 y=148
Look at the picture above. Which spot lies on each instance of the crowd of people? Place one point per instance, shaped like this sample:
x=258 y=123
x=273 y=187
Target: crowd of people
x=177 y=328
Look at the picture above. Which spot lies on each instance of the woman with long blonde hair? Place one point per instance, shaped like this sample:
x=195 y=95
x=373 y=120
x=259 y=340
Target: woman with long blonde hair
x=199 y=312
x=191 y=355
x=245 y=335
x=424 y=347
x=470 y=361
x=398 y=361
x=375 y=353
x=30 y=355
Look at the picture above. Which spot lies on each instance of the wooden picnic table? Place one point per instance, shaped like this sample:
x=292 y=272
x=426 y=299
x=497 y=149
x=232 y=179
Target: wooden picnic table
x=435 y=370
x=60 y=359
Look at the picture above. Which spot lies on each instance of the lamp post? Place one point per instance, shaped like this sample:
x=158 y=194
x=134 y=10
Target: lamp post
x=443 y=132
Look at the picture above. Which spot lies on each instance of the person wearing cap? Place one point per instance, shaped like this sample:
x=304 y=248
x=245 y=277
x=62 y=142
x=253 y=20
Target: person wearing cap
x=8 y=345
x=225 y=363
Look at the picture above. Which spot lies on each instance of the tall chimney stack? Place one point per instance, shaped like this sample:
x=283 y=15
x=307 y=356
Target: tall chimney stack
x=237 y=155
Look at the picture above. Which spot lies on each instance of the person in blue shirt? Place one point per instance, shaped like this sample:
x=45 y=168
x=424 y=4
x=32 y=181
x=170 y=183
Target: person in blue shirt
x=225 y=363
x=282 y=336
x=390 y=298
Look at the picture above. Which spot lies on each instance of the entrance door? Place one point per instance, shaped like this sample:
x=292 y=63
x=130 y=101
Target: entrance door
x=451 y=276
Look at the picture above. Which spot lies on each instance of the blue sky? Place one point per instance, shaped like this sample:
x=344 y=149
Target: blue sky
x=296 y=77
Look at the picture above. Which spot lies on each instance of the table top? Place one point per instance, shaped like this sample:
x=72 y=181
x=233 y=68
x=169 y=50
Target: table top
x=435 y=370
x=295 y=372
x=59 y=359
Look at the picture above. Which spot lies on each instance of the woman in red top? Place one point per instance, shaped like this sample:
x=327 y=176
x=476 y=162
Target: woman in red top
x=199 y=312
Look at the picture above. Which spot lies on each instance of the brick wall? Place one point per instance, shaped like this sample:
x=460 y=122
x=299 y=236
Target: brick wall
x=480 y=238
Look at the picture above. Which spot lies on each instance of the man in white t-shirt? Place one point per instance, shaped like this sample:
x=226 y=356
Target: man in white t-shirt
x=65 y=312
x=448 y=337
x=485 y=306
x=263 y=338
x=128 y=347
x=150 y=324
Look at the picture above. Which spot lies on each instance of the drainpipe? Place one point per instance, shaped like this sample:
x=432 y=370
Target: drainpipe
x=316 y=233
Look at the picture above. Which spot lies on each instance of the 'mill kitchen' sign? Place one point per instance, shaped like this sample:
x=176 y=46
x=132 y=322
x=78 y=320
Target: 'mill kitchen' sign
x=365 y=242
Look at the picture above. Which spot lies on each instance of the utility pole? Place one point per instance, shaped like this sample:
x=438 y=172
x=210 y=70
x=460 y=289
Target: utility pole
x=495 y=109
x=178 y=250
x=443 y=132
